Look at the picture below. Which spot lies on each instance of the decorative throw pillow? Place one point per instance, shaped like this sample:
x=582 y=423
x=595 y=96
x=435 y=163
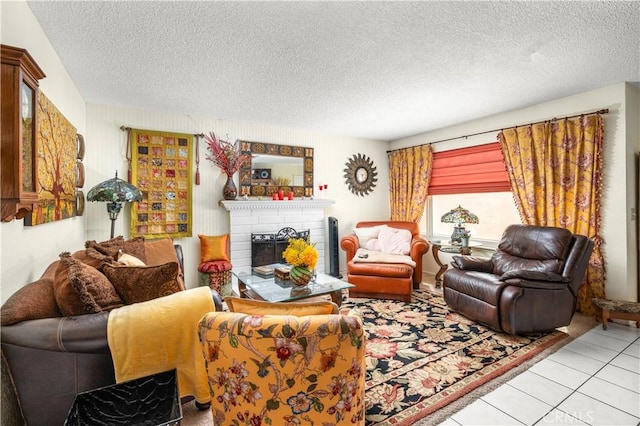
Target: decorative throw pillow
x=113 y=242
x=128 y=260
x=137 y=284
x=81 y=289
x=134 y=247
x=366 y=233
x=92 y=257
x=35 y=300
x=373 y=244
x=395 y=240
x=214 y=247
x=259 y=307
x=160 y=251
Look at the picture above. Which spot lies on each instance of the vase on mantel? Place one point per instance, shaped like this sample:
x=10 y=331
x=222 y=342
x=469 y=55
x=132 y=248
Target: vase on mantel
x=229 y=191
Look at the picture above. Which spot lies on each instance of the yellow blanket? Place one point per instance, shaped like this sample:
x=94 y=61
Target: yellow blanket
x=161 y=334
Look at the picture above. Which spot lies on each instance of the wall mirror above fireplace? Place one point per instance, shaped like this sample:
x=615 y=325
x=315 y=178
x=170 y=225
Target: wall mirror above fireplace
x=274 y=167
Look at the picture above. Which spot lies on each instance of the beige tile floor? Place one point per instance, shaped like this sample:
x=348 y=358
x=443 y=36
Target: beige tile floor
x=593 y=380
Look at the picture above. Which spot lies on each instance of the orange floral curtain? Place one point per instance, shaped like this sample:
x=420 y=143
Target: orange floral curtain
x=409 y=175
x=555 y=169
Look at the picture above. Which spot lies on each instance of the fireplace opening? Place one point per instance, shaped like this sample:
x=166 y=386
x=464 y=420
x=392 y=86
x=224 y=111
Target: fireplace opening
x=267 y=249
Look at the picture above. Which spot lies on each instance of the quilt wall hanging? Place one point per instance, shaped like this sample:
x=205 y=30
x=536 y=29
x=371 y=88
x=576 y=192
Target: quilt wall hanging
x=56 y=147
x=161 y=165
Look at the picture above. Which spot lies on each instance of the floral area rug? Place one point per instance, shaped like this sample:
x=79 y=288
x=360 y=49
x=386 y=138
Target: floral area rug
x=422 y=356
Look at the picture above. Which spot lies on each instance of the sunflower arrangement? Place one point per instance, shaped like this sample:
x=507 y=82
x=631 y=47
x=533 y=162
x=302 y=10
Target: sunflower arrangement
x=303 y=258
x=300 y=253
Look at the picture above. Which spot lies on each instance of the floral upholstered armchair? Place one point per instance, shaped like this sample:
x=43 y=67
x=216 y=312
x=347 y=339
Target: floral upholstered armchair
x=284 y=369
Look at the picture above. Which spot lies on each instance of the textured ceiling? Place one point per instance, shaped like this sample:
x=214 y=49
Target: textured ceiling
x=378 y=70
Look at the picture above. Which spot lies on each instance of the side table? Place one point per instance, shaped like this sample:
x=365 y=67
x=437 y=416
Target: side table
x=437 y=247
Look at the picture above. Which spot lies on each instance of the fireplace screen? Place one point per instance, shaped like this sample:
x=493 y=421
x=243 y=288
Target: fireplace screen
x=267 y=249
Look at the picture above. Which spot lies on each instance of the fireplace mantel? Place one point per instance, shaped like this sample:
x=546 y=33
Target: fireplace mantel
x=272 y=204
x=269 y=216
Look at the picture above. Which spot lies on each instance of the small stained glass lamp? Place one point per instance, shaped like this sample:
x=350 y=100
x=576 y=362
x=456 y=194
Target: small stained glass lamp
x=459 y=216
x=115 y=192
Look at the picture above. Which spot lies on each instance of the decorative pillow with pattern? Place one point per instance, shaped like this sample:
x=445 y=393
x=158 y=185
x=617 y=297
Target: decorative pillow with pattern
x=81 y=289
x=141 y=283
x=134 y=247
x=92 y=257
x=161 y=251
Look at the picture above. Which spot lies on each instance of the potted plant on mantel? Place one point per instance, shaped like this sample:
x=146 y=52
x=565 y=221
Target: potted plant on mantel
x=228 y=157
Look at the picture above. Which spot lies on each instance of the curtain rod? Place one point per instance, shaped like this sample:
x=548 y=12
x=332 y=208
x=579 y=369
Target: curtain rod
x=126 y=129
x=601 y=111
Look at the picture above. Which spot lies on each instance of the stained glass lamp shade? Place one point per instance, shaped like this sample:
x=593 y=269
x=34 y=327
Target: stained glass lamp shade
x=114 y=192
x=459 y=216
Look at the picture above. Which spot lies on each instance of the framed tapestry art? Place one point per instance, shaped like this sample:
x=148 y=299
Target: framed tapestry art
x=161 y=168
x=56 y=152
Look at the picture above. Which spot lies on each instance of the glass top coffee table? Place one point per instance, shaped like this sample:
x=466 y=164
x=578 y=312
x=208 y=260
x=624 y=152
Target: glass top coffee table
x=275 y=290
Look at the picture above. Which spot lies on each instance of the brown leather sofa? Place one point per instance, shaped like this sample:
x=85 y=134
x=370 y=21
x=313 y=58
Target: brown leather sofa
x=529 y=285
x=385 y=280
x=50 y=360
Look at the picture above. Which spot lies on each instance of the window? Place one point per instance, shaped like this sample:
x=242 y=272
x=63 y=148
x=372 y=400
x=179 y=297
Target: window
x=495 y=211
x=475 y=178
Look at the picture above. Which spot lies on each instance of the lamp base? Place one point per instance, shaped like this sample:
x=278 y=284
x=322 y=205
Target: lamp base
x=113 y=227
x=455 y=237
x=113 y=208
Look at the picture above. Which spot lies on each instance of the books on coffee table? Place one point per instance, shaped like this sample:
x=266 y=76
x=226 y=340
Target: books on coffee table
x=268 y=271
x=264 y=271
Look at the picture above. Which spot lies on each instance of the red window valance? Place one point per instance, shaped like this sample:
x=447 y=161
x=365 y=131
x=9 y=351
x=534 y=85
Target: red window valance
x=478 y=168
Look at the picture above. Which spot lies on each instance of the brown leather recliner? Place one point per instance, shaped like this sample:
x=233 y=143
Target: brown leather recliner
x=50 y=360
x=385 y=280
x=529 y=285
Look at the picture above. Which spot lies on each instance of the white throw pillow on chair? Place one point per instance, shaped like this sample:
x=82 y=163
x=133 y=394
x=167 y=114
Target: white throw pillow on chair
x=395 y=241
x=366 y=233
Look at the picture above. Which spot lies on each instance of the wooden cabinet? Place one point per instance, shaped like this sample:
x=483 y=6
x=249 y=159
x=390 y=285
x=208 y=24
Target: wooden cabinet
x=19 y=75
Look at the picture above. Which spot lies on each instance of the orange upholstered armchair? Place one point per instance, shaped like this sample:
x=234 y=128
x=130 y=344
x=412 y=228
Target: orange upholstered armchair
x=284 y=369
x=384 y=259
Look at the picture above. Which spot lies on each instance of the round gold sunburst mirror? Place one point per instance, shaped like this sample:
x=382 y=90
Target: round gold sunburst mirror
x=360 y=174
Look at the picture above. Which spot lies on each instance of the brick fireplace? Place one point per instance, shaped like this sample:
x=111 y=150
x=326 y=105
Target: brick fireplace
x=268 y=216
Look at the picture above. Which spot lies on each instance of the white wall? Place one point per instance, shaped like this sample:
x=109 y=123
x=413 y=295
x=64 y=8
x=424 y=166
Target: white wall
x=27 y=251
x=107 y=154
x=620 y=140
